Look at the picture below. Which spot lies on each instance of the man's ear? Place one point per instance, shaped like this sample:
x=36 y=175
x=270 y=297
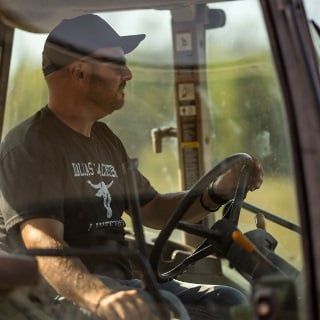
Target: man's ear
x=77 y=70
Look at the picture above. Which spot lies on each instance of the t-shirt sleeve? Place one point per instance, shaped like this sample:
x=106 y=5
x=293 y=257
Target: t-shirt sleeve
x=145 y=190
x=30 y=186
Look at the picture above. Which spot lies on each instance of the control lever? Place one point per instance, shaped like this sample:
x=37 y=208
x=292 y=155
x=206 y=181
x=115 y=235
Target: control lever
x=158 y=134
x=260 y=221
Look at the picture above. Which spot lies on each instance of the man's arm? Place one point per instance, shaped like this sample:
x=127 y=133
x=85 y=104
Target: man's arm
x=71 y=279
x=156 y=212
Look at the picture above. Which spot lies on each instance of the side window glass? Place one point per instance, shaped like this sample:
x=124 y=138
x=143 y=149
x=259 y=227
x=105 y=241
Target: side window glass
x=247 y=114
x=26 y=88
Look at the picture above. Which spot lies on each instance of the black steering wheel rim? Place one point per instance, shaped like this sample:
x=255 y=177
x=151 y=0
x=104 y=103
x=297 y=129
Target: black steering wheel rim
x=195 y=191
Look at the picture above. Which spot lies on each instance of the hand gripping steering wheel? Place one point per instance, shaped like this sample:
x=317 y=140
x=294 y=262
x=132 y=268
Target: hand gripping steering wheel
x=219 y=237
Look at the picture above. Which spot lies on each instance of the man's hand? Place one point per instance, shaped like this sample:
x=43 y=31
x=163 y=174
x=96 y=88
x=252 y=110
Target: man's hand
x=224 y=187
x=126 y=304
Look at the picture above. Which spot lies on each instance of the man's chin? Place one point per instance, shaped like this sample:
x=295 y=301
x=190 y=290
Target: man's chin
x=119 y=106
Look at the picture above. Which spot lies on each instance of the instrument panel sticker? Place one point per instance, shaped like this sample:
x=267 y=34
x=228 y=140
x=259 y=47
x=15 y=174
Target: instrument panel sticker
x=186 y=91
x=189 y=110
x=191 y=166
x=184 y=41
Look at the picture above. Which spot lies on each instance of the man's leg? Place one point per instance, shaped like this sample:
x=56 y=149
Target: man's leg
x=206 y=301
x=202 y=301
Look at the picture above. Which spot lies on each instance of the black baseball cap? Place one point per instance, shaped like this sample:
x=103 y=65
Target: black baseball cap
x=77 y=37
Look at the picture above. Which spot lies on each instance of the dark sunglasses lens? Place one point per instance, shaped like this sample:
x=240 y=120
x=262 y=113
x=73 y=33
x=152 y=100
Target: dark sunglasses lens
x=118 y=61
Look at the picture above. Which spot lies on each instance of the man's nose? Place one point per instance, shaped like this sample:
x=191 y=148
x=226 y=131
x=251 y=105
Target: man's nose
x=126 y=73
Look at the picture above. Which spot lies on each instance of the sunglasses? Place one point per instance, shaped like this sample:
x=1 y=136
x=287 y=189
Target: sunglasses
x=120 y=61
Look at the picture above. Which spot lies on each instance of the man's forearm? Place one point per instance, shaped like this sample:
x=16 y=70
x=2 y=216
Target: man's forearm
x=157 y=212
x=70 y=278
x=67 y=275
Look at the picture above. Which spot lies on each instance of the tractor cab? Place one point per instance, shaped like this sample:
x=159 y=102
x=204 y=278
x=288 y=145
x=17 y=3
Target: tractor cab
x=214 y=83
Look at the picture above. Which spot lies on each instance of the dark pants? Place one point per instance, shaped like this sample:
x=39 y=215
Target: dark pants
x=202 y=302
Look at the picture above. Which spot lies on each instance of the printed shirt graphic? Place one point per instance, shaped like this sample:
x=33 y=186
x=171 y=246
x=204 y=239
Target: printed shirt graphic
x=103 y=192
x=98 y=188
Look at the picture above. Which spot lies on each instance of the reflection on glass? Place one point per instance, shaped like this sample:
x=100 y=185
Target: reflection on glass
x=245 y=106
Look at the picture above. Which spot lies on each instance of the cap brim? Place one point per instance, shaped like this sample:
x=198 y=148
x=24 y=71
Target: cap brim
x=129 y=43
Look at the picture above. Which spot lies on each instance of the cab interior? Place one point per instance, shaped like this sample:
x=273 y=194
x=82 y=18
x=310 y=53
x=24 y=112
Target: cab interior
x=207 y=86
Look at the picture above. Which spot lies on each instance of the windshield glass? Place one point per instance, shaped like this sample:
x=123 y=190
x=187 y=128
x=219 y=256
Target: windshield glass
x=198 y=94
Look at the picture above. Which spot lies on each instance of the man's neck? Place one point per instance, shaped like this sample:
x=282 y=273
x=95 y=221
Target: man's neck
x=77 y=122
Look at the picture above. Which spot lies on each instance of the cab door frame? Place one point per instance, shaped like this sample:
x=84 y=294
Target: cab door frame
x=298 y=73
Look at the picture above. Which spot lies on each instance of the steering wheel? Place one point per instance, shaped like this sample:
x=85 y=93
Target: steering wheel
x=218 y=237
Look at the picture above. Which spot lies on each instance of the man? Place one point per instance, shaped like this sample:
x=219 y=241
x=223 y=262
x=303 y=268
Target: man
x=62 y=183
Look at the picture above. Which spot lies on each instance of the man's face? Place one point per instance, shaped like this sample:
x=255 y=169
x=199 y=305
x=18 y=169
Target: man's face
x=108 y=78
